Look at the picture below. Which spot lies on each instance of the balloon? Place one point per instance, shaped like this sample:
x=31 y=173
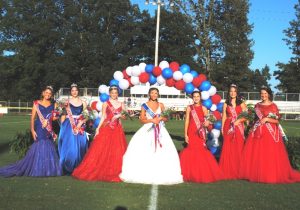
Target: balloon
x=142 y=67
x=215 y=133
x=129 y=81
x=161 y=80
x=123 y=84
x=174 y=66
x=189 y=88
x=187 y=77
x=184 y=68
x=163 y=64
x=194 y=73
x=218 y=125
x=202 y=77
x=135 y=80
x=96 y=122
x=177 y=75
x=216 y=99
x=196 y=81
x=149 y=68
x=217 y=114
x=152 y=79
x=214 y=150
x=129 y=70
x=212 y=91
x=118 y=75
x=102 y=88
x=170 y=82
x=207 y=103
x=114 y=82
x=156 y=71
x=94 y=105
x=220 y=107
x=180 y=85
x=167 y=73
x=99 y=106
x=144 y=77
x=204 y=95
x=205 y=85
x=125 y=75
x=136 y=71
x=213 y=107
x=104 y=97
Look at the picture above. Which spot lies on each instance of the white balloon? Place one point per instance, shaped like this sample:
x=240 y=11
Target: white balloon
x=102 y=89
x=163 y=65
x=188 y=77
x=142 y=67
x=118 y=75
x=136 y=71
x=129 y=70
x=212 y=90
x=99 y=106
x=213 y=108
x=95 y=114
x=215 y=142
x=215 y=133
x=124 y=84
x=177 y=75
x=160 y=80
x=135 y=80
x=204 y=95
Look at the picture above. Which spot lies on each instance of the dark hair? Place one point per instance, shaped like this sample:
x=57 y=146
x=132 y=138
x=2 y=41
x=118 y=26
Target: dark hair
x=113 y=87
x=151 y=89
x=238 y=98
x=74 y=86
x=269 y=91
x=49 y=87
x=195 y=91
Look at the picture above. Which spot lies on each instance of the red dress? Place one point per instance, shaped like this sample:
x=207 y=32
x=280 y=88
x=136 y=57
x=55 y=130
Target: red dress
x=103 y=161
x=265 y=158
x=233 y=143
x=197 y=162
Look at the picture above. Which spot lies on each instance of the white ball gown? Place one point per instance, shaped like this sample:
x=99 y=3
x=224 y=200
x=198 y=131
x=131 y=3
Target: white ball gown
x=148 y=161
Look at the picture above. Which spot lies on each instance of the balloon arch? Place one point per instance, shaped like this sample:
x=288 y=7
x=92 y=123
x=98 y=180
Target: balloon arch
x=173 y=75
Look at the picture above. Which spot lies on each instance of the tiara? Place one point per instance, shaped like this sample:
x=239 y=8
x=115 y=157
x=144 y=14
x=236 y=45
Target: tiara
x=49 y=87
x=263 y=86
x=73 y=85
x=233 y=85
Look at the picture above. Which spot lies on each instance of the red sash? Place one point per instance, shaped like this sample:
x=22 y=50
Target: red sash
x=113 y=122
x=233 y=119
x=73 y=123
x=200 y=129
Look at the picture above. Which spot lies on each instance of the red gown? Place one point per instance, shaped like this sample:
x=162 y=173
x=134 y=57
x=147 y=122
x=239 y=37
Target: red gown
x=265 y=158
x=103 y=161
x=233 y=143
x=197 y=162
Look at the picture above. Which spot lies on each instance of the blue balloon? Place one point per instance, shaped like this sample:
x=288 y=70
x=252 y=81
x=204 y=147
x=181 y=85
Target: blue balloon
x=149 y=68
x=96 y=122
x=207 y=103
x=218 y=125
x=205 y=86
x=167 y=73
x=189 y=88
x=152 y=79
x=114 y=82
x=184 y=68
x=194 y=73
x=104 y=97
x=220 y=107
x=214 y=150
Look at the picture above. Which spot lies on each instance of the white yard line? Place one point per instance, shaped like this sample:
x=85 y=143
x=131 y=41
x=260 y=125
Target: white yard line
x=153 y=198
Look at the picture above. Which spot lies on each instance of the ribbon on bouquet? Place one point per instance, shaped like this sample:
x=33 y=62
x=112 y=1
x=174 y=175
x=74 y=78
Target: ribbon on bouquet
x=200 y=129
x=233 y=119
x=74 y=120
x=42 y=119
x=155 y=126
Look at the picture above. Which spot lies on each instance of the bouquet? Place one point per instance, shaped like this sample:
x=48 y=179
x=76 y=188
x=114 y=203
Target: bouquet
x=211 y=118
x=249 y=115
x=88 y=114
x=167 y=113
x=61 y=108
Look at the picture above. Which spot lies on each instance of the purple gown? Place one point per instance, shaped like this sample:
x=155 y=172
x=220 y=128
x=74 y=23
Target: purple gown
x=41 y=159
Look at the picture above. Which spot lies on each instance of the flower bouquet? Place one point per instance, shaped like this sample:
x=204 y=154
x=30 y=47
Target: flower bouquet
x=167 y=113
x=211 y=118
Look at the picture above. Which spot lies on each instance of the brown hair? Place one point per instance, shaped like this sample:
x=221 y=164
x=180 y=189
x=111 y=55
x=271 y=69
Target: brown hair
x=151 y=89
x=269 y=91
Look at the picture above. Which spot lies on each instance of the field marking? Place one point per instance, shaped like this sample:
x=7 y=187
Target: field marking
x=153 y=197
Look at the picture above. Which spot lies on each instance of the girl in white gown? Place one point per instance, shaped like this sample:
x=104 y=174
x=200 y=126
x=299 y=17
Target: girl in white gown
x=151 y=157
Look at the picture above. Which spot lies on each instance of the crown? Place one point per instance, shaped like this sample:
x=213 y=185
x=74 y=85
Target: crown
x=73 y=85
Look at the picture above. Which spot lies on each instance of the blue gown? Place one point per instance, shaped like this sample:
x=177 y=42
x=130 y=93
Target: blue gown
x=41 y=159
x=71 y=147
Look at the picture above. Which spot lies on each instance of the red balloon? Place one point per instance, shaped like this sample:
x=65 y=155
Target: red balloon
x=196 y=81
x=144 y=77
x=202 y=77
x=174 y=66
x=126 y=76
x=180 y=85
x=216 y=99
x=217 y=114
x=130 y=84
x=94 y=105
x=156 y=71
x=170 y=82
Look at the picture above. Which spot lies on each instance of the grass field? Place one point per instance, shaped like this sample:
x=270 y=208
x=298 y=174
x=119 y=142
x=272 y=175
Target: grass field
x=68 y=193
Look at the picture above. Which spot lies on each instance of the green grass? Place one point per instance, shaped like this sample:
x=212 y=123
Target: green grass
x=68 y=193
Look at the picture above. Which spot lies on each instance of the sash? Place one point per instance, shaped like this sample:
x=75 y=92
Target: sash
x=73 y=123
x=268 y=125
x=115 y=112
x=200 y=129
x=233 y=119
x=156 y=127
x=42 y=119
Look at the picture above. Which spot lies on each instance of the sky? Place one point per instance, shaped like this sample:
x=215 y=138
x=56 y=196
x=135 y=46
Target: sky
x=269 y=19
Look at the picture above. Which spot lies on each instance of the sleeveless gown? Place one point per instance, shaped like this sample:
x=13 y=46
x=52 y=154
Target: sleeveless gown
x=71 y=147
x=197 y=162
x=265 y=158
x=103 y=161
x=148 y=163
x=41 y=160
x=233 y=143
